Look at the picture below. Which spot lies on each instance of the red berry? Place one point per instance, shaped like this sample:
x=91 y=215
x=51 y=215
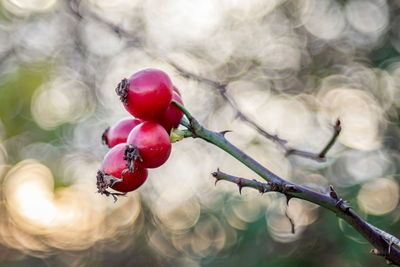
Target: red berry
x=152 y=142
x=172 y=116
x=114 y=164
x=147 y=93
x=118 y=133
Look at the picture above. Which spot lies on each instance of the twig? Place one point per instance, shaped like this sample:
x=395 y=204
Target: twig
x=329 y=201
x=336 y=131
x=292 y=226
x=183 y=109
x=239 y=114
x=388 y=237
x=261 y=187
x=74 y=7
x=242 y=182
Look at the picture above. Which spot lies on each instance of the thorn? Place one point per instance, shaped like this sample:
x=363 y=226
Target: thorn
x=224 y=132
x=215 y=174
x=292 y=228
x=338 y=126
x=288 y=198
x=288 y=152
x=216 y=180
x=340 y=203
x=261 y=187
x=390 y=247
x=265 y=189
x=374 y=251
x=332 y=193
x=238 y=181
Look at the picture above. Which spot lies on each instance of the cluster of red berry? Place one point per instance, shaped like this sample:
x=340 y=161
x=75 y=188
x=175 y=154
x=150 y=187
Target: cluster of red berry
x=143 y=141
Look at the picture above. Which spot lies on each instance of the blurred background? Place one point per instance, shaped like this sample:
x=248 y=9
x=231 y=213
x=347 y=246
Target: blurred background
x=293 y=67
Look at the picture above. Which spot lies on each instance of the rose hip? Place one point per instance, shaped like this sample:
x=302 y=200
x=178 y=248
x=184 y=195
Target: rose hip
x=114 y=172
x=152 y=143
x=118 y=133
x=146 y=94
x=172 y=116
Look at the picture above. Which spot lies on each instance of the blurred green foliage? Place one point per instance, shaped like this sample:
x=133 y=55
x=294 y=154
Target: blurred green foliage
x=17 y=89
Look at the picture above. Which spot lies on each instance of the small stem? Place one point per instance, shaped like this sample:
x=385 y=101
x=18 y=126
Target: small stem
x=177 y=135
x=336 y=131
x=183 y=109
x=185 y=123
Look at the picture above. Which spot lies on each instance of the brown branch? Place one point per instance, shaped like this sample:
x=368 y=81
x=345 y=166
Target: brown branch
x=321 y=156
x=75 y=7
x=381 y=240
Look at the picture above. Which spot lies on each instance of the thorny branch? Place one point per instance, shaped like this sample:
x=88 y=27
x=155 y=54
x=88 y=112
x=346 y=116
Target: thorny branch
x=222 y=89
x=382 y=241
x=271 y=187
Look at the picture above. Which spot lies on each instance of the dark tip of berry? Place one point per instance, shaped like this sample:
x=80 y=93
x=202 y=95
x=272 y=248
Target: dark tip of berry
x=104 y=181
x=101 y=184
x=122 y=91
x=104 y=138
x=131 y=154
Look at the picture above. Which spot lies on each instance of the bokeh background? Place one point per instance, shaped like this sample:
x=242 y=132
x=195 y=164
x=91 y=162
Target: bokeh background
x=293 y=67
